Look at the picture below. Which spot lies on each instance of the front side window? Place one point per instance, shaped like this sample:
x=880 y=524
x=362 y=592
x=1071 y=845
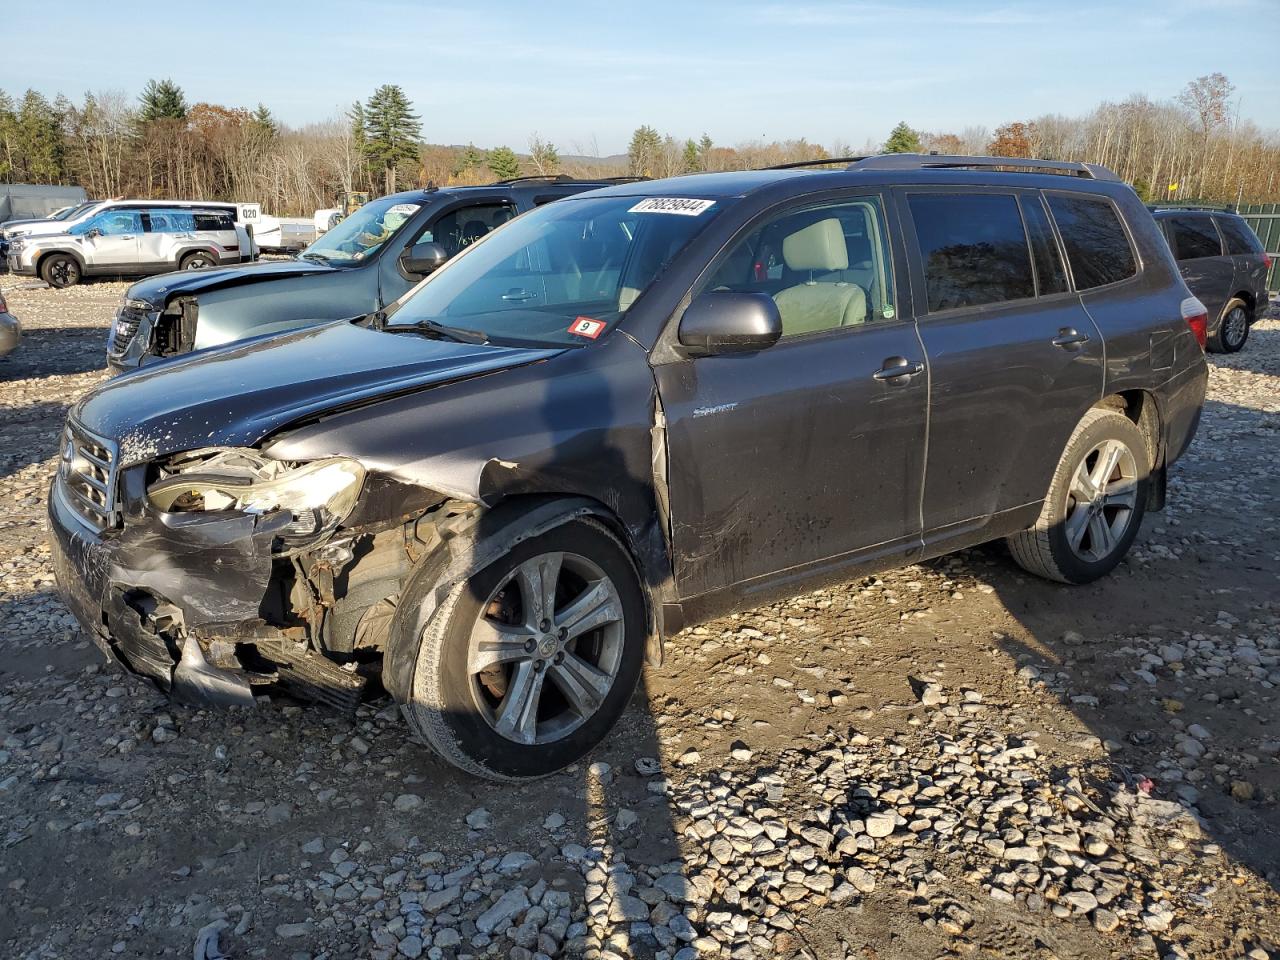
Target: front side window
x=364 y=232
x=973 y=248
x=1193 y=238
x=825 y=267
x=562 y=274
x=1240 y=239
x=1097 y=245
x=114 y=223
x=462 y=227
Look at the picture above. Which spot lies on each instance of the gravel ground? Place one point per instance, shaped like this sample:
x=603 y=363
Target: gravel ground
x=951 y=760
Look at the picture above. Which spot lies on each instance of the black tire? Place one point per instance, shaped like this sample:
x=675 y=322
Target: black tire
x=1046 y=549
x=60 y=270
x=455 y=712
x=197 y=260
x=1233 y=328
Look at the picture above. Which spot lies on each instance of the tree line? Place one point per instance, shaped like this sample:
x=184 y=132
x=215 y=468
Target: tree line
x=1194 y=146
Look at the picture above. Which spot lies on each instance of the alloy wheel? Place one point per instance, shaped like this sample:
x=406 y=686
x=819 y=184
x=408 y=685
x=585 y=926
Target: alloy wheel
x=1235 y=328
x=546 y=649
x=1101 y=500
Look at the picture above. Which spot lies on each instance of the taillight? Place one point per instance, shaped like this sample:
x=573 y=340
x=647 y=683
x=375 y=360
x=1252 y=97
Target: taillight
x=1197 y=317
x=3 y=308
x=1266 y=258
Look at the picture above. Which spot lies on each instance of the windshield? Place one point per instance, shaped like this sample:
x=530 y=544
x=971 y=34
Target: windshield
x=563 y=273
x=67 y=212
x=362 y=233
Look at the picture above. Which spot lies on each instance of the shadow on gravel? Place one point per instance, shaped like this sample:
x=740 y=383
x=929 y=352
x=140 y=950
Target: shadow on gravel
x=56 y=351
x=29 y=435
x=1166 y=642
x=1262 y=346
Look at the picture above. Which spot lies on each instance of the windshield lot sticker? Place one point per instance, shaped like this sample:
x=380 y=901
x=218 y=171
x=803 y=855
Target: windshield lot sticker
x=586 y=327
x=676 y=205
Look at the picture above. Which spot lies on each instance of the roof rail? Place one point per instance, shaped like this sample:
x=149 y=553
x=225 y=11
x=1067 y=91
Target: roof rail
x=930 y=161
x=553 y=177
x=798 y=164
x=1175 y=207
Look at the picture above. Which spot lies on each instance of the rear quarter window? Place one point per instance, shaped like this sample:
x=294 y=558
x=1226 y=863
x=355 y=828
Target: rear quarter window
x=973 y=248
x=1096 y=242
x=1240 y=239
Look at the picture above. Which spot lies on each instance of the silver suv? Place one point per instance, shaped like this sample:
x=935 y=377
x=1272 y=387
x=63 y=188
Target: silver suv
x=134 y=241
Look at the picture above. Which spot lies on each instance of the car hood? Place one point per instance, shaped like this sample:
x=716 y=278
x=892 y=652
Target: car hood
x=157 y=290
x=239 y=394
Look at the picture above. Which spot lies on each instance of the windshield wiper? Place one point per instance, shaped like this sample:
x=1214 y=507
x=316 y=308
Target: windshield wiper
x=308 y=255
x=440 y=330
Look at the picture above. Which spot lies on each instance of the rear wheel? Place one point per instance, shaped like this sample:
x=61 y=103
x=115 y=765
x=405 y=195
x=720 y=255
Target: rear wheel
x=528 y=664
x=197 y=261
x=1095 y=503
x=60 y=270
x=1233 y=331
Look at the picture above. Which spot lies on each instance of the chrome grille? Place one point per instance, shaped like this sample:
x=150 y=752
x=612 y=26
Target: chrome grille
x=128 y=318
x=87 y=475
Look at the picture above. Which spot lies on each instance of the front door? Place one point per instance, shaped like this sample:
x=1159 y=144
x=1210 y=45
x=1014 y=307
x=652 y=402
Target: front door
x=808 y=456
x=112 y=242
x=1014 y=359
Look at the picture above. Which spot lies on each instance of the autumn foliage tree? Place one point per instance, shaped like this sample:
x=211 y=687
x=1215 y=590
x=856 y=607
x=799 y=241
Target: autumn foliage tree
x=1013 y=140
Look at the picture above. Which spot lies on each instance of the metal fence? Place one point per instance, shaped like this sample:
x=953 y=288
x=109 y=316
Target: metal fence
x=1264 y=218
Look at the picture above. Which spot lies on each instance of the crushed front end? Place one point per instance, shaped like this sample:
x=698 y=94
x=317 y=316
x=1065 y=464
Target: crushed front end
x=221 y=573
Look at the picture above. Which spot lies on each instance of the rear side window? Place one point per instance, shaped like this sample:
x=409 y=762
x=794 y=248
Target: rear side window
x=1240 y=239
x=1051 y=275
x=1097 y=246
x=1193 y=237
x=213 y=221
x=973 y=248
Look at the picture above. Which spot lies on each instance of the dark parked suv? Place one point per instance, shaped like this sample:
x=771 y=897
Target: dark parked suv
x=625 y=413
x=1225 y=266
x=361 y=265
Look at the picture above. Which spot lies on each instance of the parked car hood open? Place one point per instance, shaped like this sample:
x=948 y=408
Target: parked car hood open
x=238 y=394
x=156 y=290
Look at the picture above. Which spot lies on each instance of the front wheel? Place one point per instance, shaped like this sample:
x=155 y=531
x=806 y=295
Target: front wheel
x=528 y=664
x=1233 y=331
x=60 y=270
x=1095 y=503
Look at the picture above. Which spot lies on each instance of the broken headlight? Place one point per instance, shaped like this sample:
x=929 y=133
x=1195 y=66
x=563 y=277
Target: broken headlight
x=318 y=494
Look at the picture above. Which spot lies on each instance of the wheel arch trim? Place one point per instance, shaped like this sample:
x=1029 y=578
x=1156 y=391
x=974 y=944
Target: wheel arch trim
x=513 y=521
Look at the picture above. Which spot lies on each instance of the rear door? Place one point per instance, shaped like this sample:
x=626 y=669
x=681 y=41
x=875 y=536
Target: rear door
x=1207 y=269
x=805 y=458
x=1014 y=359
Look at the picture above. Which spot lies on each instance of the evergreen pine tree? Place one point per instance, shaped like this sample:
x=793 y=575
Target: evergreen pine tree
x=392 y=133
x=504 y=163
x=902 y=139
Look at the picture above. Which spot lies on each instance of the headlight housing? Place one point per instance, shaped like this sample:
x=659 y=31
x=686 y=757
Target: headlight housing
x=318 y=494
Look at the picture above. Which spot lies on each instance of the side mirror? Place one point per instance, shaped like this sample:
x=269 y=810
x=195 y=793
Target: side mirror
x=92 y=234
x=725 y=321
x=423 y=258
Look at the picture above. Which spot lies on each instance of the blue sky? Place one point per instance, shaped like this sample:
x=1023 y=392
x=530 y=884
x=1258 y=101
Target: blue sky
x=584 y=75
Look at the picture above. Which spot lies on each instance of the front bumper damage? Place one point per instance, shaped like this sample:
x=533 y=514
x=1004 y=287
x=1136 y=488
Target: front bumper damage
x=197 y=605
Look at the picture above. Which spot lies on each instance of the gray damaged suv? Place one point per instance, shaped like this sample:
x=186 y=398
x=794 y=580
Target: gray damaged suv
x=1225 y=266
x=626 y=413
x=359 y=266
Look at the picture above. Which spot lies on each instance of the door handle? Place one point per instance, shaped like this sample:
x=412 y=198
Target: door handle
x=1070 y=337
x=898 y=368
